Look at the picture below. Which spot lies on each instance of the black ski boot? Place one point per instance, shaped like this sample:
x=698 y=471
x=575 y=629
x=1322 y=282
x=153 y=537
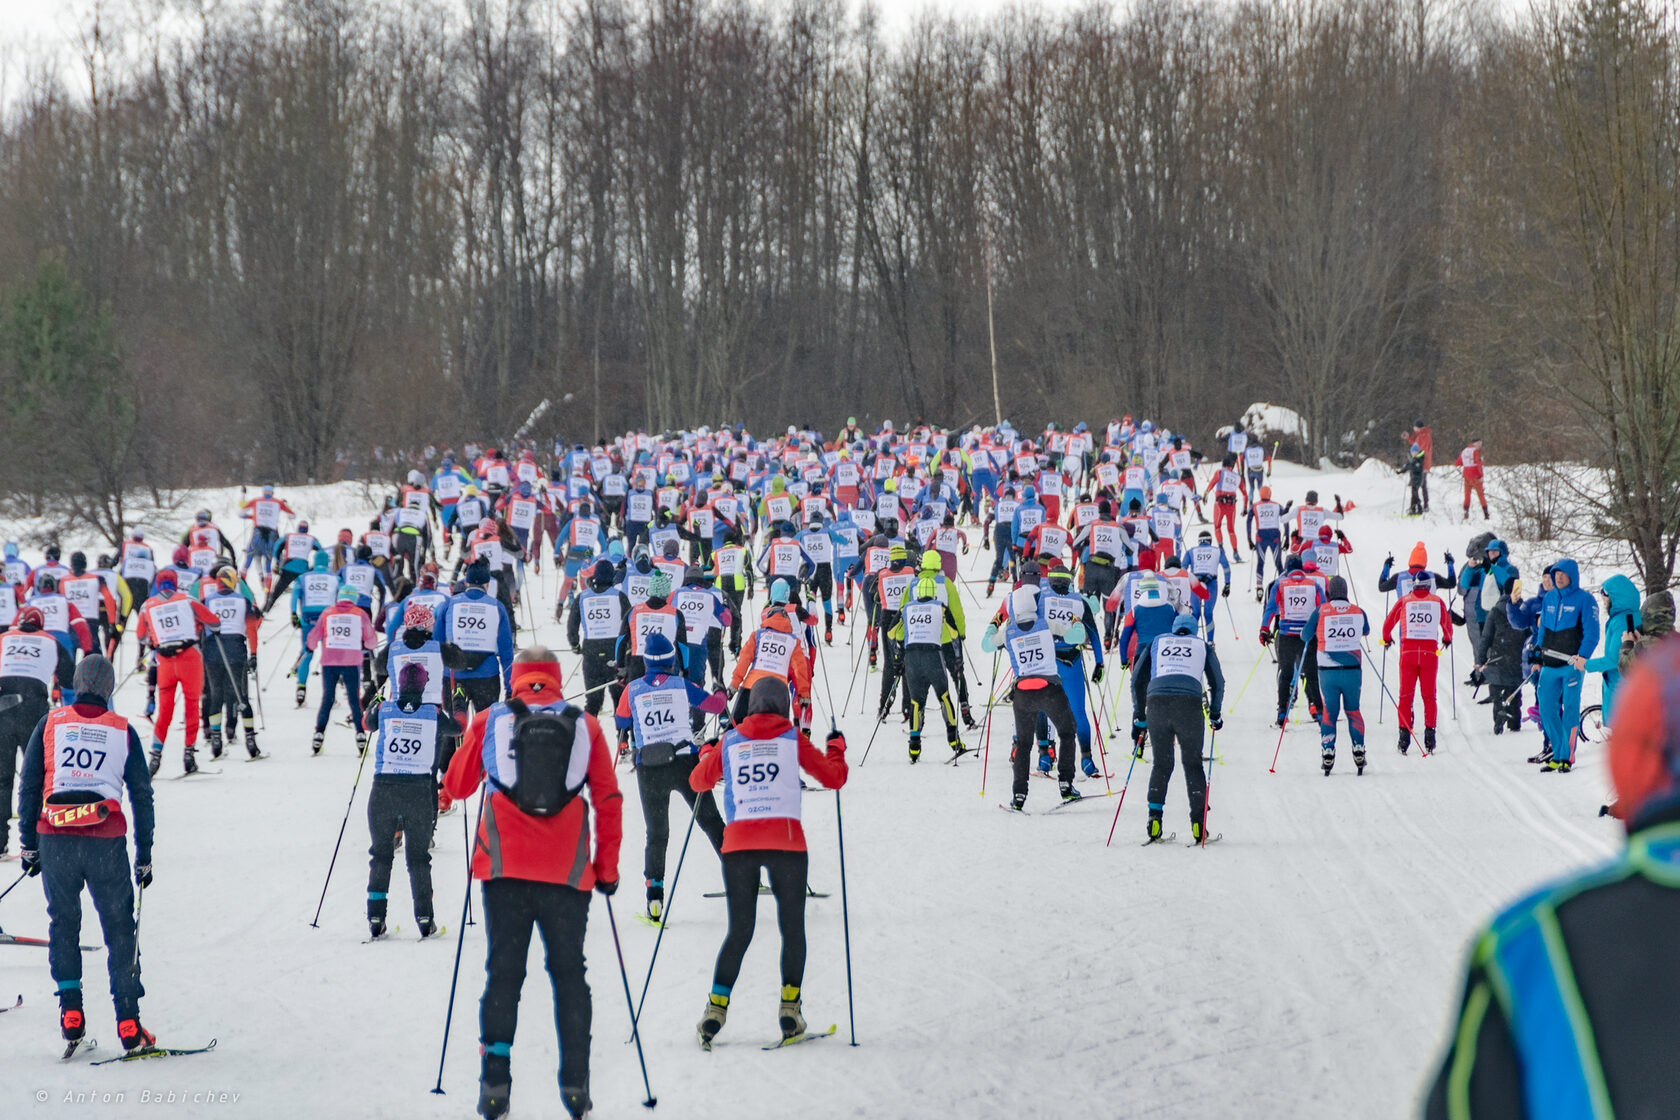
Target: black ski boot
x=154 y=760
x=495 y=1084
x=428 y=926
x=915 y=749
x=1069 y=793
x=1429 y=740
x=1329 y=760
x=316 y=741
x=1405 y=740
x=576 y=1100
x=302 y=695
x=968 y=718
x=1359 y=760
x=215 y=738
x=251 y=747
x=71 y=1024
x=189 y=763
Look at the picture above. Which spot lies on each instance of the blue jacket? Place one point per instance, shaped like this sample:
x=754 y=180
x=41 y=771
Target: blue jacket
x=1564 y=621
x=443 y=629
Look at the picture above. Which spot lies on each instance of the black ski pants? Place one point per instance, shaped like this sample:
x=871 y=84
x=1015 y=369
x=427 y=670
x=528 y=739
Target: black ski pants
x=512 y=908
x=405 y=803
x=1176 y=719
x=740 y=886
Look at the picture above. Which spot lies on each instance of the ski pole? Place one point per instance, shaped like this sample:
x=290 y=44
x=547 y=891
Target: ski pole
x=1232 y=615
x=455 y=975
x=1123 y=788
x=1207 y=787
x=665 y=914
x=986 y=745
x=845 y=916
x=1300 y=658
x=314 y=923
x=139 y=901
x=886 y=706
x=1244 y=688
x=1382 y=679
x=1096 y=733
x=635 y=1032
x=22 y=875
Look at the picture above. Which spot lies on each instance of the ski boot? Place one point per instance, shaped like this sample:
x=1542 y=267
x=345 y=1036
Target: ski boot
x=251 y=747
x=1359 y=760
x=302 y=695
x=1154 y=830
x=915 y=749
x=154 y=759
x=1543 y=757
x=215 y=737
x=1018 y=802
x=1199 y=832
x=1045 y=759
x=361 y=742
x=376 y=928
x=1281 y=721
x=1429 y=740
x=1313 y=712
x=712 y=1019
x=151 y=704
x=1405 y=740
x=789 y=1017
x=1068 y=792
x=576 y=1100
x=1328 y=759
x=135 y=1037
x=71 y=1024
x=1259 y=595
x=1236 y=557
x=495 y=1081
x=427 y=925
x=1088 y=765
x=656 y=899
x=828 y=635
x=968 y=718
x=840 y=614
x=315 y=742
x=990 y=585
x=189 y=761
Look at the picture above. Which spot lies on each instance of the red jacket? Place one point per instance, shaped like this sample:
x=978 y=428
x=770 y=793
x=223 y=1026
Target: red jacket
x=1398 y=615
x=515 y=845
x=780 y=834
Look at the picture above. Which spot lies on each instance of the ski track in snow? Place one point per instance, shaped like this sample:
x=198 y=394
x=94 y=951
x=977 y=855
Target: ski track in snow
x=1307 y=966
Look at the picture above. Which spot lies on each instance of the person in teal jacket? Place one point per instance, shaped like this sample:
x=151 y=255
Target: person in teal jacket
x=1621 y=615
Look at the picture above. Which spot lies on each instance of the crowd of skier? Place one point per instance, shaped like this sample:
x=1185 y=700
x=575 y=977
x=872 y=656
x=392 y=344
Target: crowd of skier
x=661 y=545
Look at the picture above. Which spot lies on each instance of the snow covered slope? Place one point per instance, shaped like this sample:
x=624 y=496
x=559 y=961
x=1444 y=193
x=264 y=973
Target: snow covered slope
x=1304 y=967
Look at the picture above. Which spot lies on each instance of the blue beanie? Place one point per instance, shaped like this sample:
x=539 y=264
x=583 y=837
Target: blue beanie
x=779 y=591
x=1184 y=623
x=658 y=653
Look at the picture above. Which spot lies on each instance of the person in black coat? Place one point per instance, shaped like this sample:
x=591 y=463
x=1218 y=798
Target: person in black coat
x=1502 y=668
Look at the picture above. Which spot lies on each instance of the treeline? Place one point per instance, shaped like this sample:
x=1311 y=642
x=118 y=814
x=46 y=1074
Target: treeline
x=327 y=226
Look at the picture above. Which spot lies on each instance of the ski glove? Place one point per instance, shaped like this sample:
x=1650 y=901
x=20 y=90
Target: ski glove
x=143 y=875
x=297 y=623
x=1096 y=675
x=31 y=860
x=608 y=887
x=1265 y=637
x=1448 y=556
x=1225 y=592
x=1216 y=723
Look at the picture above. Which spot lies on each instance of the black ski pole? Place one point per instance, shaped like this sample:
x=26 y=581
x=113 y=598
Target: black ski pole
x=665 y=914
x=455 y=976
x=635 y=1032
x=845 y=916
x=314 y=923
x=22 y=875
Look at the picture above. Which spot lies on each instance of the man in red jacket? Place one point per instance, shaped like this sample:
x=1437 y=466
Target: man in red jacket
x=537 y=870
x=1425 y=629
x=762 y=756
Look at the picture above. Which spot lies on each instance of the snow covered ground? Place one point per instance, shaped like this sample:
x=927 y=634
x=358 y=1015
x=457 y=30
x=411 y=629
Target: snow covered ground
x=1305 y=967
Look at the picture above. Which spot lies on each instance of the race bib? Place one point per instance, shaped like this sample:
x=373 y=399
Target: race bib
x=473 y=626
x=343 y=632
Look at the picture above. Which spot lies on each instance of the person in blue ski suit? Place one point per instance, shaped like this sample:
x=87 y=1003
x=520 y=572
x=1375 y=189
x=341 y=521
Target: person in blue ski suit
x=1565 y=623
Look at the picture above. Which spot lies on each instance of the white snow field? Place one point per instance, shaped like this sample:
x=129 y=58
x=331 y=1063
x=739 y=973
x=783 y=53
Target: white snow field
x=1306 y=966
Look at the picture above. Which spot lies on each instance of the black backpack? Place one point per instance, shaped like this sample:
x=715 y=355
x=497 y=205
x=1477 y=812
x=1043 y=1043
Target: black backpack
x=542 y=753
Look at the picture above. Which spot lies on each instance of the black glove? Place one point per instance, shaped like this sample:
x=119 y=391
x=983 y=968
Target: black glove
x=1225 y=592
x=1449 y=557
x=1216 y=723
x=31 y=860
x=1265 y=637
x=297 y=623
x=1388 y=561
x=143 y=875
x=836 y=740
x=1096 y=675
x=608 y=887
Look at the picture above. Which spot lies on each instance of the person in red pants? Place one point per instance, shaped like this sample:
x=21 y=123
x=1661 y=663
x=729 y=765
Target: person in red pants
x=172 y=623
x=1425 y=629
x=1470 y=462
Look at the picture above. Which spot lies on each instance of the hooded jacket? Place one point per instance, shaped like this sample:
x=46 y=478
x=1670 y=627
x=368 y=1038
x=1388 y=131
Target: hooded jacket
x=514 y=845
x=1565 y=622
x=1656 y=617
x=1502 y=645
